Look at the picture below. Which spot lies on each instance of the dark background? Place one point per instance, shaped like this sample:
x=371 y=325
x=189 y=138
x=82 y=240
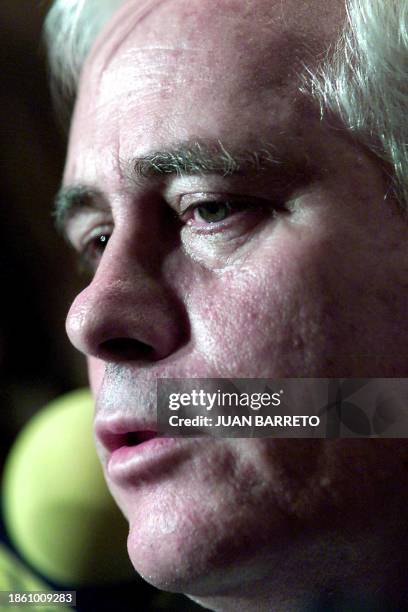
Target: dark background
x=38 y=276
x=38 y=272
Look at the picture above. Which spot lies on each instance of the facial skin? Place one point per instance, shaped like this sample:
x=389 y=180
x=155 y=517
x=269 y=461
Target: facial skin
x=311 y=283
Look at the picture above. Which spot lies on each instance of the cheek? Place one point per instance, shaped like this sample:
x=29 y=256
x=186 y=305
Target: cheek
x=291 y=307
x=257 y=319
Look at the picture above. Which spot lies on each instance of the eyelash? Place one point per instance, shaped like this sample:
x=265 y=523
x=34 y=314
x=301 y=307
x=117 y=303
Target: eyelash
x=187 y=216
x=93 y=247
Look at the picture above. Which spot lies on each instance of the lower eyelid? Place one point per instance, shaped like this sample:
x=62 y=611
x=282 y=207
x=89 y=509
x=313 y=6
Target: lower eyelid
x=235 y=206
x=231 y=218
x=235 y=224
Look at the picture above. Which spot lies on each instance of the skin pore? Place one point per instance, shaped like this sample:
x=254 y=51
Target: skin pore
x=302 y=274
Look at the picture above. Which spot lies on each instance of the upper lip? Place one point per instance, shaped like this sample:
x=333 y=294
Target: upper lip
x=115 y=433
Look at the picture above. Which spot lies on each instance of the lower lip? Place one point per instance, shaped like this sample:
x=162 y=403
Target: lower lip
x=128 y=461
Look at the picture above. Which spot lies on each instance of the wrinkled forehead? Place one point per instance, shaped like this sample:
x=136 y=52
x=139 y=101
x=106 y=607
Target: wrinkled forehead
x=273 y=35
x=194 y=68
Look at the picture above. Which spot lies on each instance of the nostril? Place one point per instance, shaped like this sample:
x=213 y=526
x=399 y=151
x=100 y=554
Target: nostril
x=125 y=349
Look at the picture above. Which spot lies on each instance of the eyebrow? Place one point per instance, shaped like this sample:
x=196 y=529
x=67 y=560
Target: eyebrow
x=70 y=200
x=200 y=158
x=187 y=159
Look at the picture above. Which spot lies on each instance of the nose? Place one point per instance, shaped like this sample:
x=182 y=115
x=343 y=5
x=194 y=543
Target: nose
x=126 y=314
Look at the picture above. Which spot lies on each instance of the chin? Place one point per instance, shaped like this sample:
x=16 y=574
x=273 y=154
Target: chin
x=178 y=544
x=180 y=562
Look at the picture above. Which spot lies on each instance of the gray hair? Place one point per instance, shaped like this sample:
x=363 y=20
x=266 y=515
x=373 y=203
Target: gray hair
x=70 y=29
x=362 y=80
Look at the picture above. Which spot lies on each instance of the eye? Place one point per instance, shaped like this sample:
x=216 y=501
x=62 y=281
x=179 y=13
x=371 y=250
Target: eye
x=213 y=211
x=92 y=250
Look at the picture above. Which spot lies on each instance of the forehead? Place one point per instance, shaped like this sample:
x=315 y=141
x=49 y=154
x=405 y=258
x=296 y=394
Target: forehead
x=213 y=21
x=186 y=68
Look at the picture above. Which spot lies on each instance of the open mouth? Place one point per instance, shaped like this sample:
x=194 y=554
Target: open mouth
x=137 y=437
x=113 y=442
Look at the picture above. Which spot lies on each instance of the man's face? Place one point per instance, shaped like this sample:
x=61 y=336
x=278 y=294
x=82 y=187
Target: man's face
x=291 y=264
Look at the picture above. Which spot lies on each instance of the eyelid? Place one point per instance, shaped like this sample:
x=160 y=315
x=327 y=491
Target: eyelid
x=82 y=224
x=98 y=230
x=88 y=255
x=191 y=200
